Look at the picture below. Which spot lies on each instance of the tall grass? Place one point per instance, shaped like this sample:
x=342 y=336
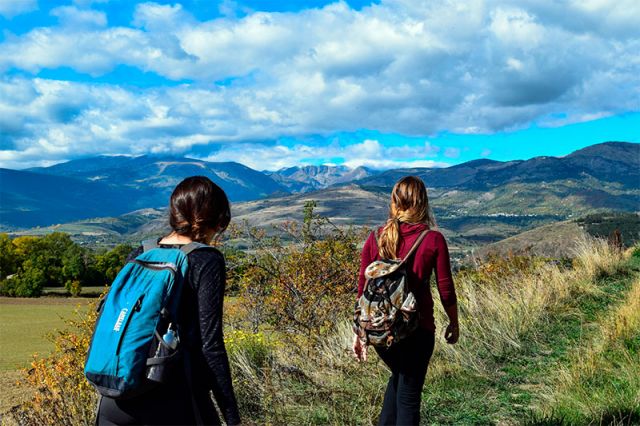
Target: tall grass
x=502 y=309
x=602 y=382
x=505 y=307
x=595 y=258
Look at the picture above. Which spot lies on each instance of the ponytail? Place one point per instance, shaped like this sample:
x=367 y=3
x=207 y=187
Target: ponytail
x=409 y=204
x=389 y=239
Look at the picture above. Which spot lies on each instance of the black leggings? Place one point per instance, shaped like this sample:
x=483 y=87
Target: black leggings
x=408 y=361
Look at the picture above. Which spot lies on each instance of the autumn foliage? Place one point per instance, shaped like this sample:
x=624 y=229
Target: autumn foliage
x=62 y=395
x=303 y=287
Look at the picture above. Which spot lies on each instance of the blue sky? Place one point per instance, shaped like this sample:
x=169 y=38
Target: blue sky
x=390 y=83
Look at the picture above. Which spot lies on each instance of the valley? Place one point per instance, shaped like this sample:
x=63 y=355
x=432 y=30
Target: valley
x=104 y=201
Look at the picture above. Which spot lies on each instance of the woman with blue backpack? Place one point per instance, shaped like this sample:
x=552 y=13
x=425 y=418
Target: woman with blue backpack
x=394 y=311
x=158 y=350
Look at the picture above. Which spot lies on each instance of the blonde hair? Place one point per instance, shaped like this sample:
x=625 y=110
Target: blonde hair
x=409 y=204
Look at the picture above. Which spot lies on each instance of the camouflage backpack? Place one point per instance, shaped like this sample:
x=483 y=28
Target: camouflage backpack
x=386 y=312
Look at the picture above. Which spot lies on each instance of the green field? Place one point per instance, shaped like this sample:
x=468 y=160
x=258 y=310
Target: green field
x=25 y=324
x=94 y=291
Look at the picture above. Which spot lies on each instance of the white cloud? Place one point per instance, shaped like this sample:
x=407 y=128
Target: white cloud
x=369 y=153
x=72 y=17
x=415 y=68
x=11 y=8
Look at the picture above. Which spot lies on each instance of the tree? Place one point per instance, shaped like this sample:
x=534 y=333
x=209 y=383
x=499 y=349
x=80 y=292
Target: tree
x=52 y=260
x=60 y=258
x=8 y=262
x=305 y=286
x=28 y=282
x=108 y=264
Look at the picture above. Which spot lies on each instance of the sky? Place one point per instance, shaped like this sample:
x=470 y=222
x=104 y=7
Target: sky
x=272 y=84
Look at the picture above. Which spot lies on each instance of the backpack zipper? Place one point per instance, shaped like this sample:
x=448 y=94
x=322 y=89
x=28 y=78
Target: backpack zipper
x=136 y=307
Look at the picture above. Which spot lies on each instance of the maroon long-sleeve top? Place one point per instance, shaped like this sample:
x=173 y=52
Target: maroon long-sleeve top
x=431 y=255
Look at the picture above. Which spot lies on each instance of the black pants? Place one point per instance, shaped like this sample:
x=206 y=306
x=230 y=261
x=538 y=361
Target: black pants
x=408 y=361
x=169 y=404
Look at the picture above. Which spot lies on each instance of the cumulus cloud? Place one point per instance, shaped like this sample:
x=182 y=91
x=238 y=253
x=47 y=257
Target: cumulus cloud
x=74 y=119
x=11 y=8
x=72 y=17
x=415 y=68
x=369 y=153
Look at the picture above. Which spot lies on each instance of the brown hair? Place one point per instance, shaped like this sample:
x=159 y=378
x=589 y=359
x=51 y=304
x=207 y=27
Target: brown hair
x=410 y=204
x=198 y=205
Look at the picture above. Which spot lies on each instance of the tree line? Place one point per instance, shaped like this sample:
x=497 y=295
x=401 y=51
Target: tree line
x=28 y=264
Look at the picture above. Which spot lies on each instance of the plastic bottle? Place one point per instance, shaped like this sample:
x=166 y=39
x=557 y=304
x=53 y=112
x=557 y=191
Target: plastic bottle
x=169 y=344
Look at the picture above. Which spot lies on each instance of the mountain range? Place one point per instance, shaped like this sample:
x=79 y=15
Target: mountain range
x=480 y=200
x=309 y=178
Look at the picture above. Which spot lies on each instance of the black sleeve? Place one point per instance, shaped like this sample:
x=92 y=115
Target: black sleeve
x=210 y=295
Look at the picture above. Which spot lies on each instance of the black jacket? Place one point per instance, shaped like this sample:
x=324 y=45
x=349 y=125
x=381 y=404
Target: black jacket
x=201 y=329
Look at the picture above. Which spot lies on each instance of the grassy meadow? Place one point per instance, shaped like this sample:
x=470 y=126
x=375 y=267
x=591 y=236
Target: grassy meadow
x=541 y=343
x=25 y=323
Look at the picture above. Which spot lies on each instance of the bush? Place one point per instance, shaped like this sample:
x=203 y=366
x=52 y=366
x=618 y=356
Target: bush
x=62 y=394
x=303 y=287
x=251 y=357
x=73 y=287
x=27 y=283
x=54 y=260
x=597 y=258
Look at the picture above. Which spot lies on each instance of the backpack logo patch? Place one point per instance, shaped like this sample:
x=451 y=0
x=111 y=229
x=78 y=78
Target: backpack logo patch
x=120 y=320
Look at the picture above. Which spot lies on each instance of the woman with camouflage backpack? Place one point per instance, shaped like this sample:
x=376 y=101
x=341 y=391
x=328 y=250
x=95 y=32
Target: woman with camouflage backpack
x=394 y=312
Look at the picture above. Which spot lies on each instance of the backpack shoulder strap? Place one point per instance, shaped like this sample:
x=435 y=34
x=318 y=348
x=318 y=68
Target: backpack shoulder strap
x=188 y=248
x=375 y=238
x=150 y=244
x=415 y=245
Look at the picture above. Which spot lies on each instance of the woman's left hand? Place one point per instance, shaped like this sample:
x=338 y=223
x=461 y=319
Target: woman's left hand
x=452 y=333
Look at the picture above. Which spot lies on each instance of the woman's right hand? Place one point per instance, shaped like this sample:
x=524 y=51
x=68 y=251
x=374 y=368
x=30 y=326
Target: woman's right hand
x=359 y=350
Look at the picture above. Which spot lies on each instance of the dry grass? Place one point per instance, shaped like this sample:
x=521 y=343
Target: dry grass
x=595 y=258
x=502 y=312
x=503 y=308
x=499 y=310
x=602 y=380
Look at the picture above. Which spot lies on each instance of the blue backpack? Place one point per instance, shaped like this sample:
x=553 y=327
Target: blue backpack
x=137 y=331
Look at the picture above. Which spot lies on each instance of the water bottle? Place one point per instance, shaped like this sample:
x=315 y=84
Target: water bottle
x=170 y=338
x=169 y=344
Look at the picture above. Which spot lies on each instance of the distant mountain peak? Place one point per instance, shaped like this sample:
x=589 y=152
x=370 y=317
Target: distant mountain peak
x=614 y=150
x=598 y=176
x=312 y=177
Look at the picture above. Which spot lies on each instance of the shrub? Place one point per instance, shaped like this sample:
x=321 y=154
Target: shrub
x=251 y=357
x=28 y=282
x=74 y=287
x=301 y=288
x=62 y=394
x=597 y=258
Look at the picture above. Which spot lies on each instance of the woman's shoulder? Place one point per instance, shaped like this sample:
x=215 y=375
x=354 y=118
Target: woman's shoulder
x=206 y=256
x=204 y=265
x=435 y=239
x=436 y=234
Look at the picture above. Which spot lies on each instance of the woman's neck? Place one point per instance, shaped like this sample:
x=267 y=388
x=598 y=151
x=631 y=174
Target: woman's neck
x=174 y=238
